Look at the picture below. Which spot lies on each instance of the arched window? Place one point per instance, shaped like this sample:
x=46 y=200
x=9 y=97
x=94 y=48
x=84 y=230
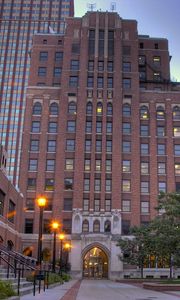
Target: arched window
x=176 y=113
x=96 y=226
x=160 y=114
x=144 y=112
x=72 y=107
x=54 y=109
x=107 y=226
x=85 y=226
x=109 y=109
x=99 y=109
x=89 y=108
x=37 y=108
x=126 y=110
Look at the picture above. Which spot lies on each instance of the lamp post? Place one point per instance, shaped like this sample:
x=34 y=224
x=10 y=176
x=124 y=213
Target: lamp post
x=55 y=226
x=67 y=248
x=61 y=237
x=41 y=203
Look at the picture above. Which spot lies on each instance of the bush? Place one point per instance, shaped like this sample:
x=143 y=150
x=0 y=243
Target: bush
x=53 y=278
x=66 y=277
x=6 y=290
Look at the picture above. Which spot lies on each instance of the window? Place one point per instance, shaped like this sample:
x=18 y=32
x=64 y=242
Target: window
x=108 y=165
x=35 y=127
x=126 y=205
x=144 y=149
x=126 y=185
x=110 y=43
x=101 y=43
x=50 y=164
x=100 y=82
x=85 y=226
x=126 y=166
x=157 y=76
x=68 y=183
x=176 y=113
x=37 y=108
x=160 y=114
x=97 y=185
x=125 y=227
x=72 y=107
x=142 y=60
x=31 y=184
x=109 y=127
x=108 y=186
x=89 y=108
x=107 y=204
x=28 y=226
x=69 y=164
x=157 y=60
x=126 y=67
x=162 y=187
x=144 y=113
x=87 y=165
x=176 y=131
x=52 y=127
x=49 y=184
x=73 y=81
x=43 y=56
x=88 y=126
x=87 y=145
x=96 y=226
x=126 y=83
x=142 y=75
x=90 y=81
x=110 y=66
x=30 y=203
x=126 y=147
x=58 y=56
x=144 y=207
x=67 y=204
x=71 y=126
x=161 y=149
x=54 y=109
x=161 y=168
x=99 y=109
x=98 y=145
x=42 y=71
x=109 y=109
x=86 y=204
x=144 y=130
x=108 y=146
x=70 y=145
x=91 y=65
x=110 y=82
x=107 y=226
x=2 y=199
x=98 y=127
x=144 y=168
x=51 y=146
x=57 y=71
x=74 y=65
x=75 y=48
x=177 y=150
x=144 y=187
x=34 y=145
x=67 y=225
x=46 y=226
x=126 y=110
x=33 y=164
x=86 y=184
x=126 y=128
x=91 y=42
x=98 y=165
x=12 y=211
x=177 y=168
x=160 y=131
x=100 y=66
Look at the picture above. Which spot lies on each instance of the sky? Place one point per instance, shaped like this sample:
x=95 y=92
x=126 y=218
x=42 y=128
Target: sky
x=156 y=18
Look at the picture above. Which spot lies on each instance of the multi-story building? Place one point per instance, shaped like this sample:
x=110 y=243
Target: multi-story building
x=101 y=136
x=19 y=20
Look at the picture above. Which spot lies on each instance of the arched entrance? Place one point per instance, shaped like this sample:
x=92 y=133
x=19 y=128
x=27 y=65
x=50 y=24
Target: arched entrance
x=95 y=264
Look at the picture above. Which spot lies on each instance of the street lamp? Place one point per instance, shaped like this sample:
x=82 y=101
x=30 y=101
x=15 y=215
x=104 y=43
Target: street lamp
x=61 y=237
x=42 y=201
x=55 y=226
x=67 y=248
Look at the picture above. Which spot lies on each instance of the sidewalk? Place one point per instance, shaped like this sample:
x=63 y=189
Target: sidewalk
x=55 y=293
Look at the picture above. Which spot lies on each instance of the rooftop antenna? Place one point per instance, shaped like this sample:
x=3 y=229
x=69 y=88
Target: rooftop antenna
x=113 y=6
x=91 y=6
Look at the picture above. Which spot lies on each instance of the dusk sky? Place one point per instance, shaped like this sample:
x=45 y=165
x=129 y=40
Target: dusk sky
x=157 y=18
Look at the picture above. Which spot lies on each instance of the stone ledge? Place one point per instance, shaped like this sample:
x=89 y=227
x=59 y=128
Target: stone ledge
x=161 y=287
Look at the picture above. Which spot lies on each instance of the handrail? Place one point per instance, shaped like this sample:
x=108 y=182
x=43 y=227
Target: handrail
x=17 y=259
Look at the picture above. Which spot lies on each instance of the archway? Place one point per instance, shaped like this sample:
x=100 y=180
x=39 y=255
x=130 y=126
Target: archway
x=95 y=263
x=27 y=251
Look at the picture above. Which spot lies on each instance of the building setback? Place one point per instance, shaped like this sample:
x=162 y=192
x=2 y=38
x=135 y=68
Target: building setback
x=102 y=143
x=19 y=20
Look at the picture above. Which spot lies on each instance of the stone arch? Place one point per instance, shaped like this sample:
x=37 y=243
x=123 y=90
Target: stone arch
x=28 y=251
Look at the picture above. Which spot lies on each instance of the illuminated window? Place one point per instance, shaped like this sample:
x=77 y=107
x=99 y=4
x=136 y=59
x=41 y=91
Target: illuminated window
x=69 y=164
x=87 y=165
x=99 y=109
x=157 y=76
x=144 y=168
x=126 y=185
x=98 y=165
x=176 y=113
x=157 y=60
x=160 y=114
x=144 y=112
x=177 y=169
x=126 y=166
x=49 y=184
x=176 y=131
x=85 y=226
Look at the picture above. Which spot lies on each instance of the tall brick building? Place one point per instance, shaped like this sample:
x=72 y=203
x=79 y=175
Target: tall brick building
x=19 y=20
x=101 y=136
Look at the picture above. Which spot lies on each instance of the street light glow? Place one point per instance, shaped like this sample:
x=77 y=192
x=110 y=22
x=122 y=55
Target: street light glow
x=55 y=225
x=61 y=236
x=41 y=202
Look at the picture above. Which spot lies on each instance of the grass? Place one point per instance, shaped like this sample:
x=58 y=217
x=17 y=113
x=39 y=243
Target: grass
x=6 y=290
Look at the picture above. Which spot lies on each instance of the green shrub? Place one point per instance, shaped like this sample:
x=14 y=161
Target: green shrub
x=53 y=278
x=6 y=290
x=66 y=277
